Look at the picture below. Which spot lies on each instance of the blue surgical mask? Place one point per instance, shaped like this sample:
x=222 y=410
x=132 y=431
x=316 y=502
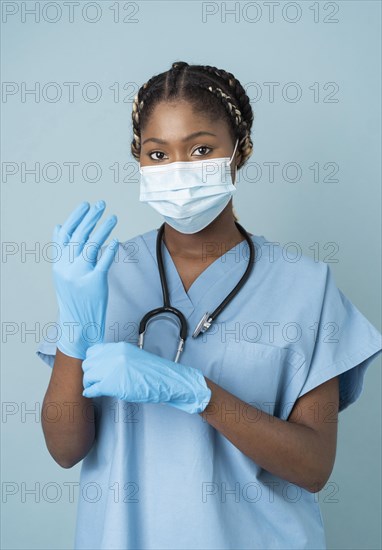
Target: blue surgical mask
x=189 y=195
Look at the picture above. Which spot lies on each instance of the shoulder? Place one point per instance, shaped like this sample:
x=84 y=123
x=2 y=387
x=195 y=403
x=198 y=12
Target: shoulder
x=286 y=267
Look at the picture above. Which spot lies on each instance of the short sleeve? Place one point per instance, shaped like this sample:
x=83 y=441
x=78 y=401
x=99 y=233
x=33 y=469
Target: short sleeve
x=345 y=345
x=47 y=348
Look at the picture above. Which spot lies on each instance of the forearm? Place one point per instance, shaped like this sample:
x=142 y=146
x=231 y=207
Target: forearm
x=288 y=450
x=67 y=416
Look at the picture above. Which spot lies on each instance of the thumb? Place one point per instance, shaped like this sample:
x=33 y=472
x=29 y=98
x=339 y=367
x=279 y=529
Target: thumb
x=108 y=256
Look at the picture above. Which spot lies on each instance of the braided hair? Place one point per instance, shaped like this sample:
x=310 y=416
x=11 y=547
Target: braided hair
x=212 y=91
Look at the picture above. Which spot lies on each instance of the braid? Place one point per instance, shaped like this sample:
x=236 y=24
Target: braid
x=213 y=91
x=146 y=91
x=244 y=108
x=237 y=104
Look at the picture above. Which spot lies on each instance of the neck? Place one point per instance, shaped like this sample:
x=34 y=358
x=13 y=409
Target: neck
x=213 y=241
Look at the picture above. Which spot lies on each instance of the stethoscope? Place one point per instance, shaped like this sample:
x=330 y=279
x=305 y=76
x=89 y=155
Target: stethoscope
x=207 y=319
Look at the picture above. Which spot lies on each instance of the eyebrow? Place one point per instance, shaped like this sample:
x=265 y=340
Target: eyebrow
x=194 y=135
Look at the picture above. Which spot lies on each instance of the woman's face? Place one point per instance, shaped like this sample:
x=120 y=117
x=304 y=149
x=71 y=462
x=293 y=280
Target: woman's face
x=169 y=136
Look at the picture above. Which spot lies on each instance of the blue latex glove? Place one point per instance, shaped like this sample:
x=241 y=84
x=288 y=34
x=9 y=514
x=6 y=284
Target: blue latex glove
x=127 y=372
x=80 y=280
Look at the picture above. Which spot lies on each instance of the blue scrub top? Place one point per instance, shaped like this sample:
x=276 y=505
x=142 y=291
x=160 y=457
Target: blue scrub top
x=159 y=478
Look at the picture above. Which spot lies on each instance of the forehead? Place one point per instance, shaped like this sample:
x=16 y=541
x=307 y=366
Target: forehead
x=175 y=119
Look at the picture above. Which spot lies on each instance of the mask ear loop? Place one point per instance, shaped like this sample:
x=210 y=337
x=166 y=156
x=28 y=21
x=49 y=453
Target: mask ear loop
x=232 y=157
x=234 y=151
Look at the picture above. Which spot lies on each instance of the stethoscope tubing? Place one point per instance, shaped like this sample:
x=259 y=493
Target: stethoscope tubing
x=207 y=319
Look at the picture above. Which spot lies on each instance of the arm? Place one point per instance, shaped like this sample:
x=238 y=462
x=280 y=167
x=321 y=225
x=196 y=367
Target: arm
x=301 y=449
x=80 y=281
x=69 y=434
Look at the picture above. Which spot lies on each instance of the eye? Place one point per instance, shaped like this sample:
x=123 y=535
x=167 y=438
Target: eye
x=154 y=153
x=203 y=147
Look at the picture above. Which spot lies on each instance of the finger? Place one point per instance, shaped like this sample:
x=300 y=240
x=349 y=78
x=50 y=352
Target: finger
x=58 y=237
x=56 y=233
x=86 y=364
x=108 y=256
x=92 y=351
x=92 y=391
x=89 y=379
x=92 y=247
x=83 y=230
x=73 y=220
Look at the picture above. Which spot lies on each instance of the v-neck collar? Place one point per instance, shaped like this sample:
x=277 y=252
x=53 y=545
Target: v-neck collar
x=214 y=274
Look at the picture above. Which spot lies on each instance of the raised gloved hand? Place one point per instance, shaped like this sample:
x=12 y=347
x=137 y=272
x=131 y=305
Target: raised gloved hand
x=80 y=280
x=127 y=372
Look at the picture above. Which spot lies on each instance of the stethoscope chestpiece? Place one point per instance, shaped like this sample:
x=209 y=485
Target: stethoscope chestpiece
x=203 y=325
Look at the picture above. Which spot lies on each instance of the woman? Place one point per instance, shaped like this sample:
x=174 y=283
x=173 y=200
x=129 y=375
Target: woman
x=249 y=433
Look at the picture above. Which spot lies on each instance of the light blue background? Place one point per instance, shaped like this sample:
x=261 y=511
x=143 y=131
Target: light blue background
x=346 y=213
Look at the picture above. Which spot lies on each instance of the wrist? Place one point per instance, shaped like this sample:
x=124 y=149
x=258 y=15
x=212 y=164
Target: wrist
x=75 y=338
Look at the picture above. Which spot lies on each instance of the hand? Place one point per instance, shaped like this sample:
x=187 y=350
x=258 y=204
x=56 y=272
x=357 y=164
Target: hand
x=127 y=372
x=80 y=281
